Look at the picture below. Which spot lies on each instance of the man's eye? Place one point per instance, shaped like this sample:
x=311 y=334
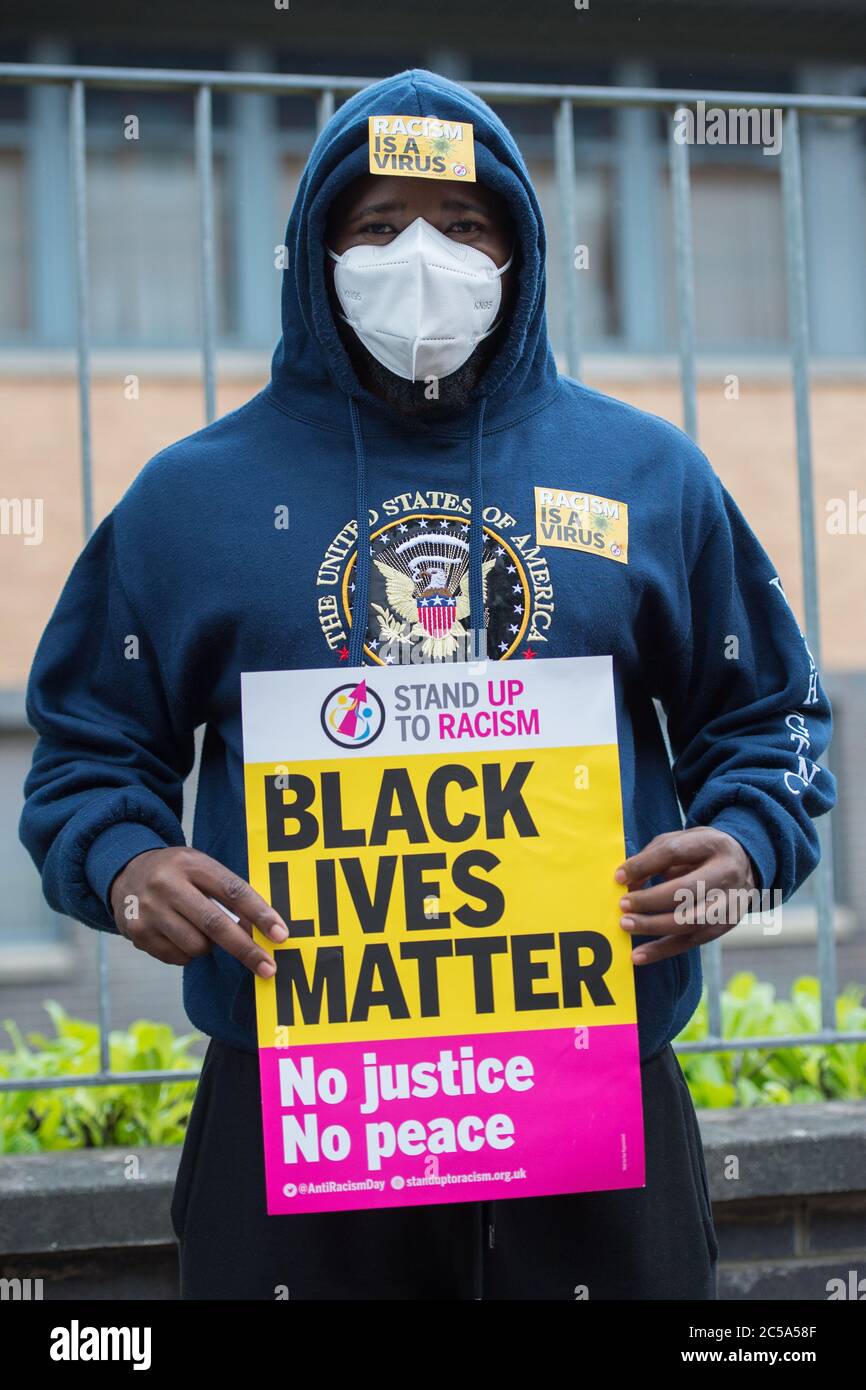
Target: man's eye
x=464 y=228
x=379 y=229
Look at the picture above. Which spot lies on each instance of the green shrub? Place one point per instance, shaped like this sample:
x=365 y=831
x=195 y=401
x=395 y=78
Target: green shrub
x=93 y=1116
x=788 y=1075
x=134 y=1115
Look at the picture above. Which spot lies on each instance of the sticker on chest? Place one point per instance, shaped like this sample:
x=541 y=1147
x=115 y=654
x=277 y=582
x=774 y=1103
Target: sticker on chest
x=582 y=521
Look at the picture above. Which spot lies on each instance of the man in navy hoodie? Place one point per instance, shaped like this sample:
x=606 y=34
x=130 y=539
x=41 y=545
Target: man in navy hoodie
x=414 y=394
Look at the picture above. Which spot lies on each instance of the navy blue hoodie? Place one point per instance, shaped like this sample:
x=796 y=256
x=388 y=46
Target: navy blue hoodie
x=237 y=549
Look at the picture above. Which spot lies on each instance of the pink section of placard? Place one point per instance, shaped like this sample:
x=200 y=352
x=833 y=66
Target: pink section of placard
x=577 y=1128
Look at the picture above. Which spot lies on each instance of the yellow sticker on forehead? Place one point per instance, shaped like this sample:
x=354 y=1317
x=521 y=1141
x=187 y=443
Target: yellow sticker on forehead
x=422 y=147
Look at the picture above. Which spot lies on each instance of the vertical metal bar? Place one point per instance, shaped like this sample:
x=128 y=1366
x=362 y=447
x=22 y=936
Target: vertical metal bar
x=563 y=149
x=102 y=967
x=78 y=157
x=638 y=241
x=324 y=109
x=204 y=175
x=78 y=165
x=711 y=962
x=685 y=276
x=49 y=175
x=253 y=163
x=798 y=332
x=684 y=266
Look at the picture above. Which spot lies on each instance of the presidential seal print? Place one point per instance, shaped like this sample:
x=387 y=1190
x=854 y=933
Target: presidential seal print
x=419 y=584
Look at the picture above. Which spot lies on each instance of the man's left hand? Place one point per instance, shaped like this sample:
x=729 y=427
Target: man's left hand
x=696 y=861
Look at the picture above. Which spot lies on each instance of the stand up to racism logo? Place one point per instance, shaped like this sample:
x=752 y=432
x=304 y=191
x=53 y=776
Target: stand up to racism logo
x=353 y=715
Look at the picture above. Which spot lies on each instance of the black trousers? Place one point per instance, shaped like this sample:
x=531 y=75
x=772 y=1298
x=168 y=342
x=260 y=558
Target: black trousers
x=655 y=1242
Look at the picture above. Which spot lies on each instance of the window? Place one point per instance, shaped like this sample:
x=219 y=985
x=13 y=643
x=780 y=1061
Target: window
x=598 y=307
x=145 y=268
x=738 y=242
x=14 y=248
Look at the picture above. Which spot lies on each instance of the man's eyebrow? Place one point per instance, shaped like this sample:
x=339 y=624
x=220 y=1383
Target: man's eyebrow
x=464 y=205
x=399 y=204
x=390 y=205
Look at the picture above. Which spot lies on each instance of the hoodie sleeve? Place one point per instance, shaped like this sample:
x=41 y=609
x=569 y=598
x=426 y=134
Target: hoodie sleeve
x=747 y=715
x=114 y=748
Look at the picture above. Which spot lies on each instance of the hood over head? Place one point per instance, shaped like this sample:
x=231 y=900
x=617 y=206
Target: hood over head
x=310 y=363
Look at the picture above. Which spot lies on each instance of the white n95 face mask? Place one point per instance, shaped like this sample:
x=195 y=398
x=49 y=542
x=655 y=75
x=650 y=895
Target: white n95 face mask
x=421 y=304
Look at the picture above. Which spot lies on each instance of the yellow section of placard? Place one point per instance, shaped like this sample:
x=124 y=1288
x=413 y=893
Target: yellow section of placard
x=428 y=897
x=582 y=521
x=422 y=147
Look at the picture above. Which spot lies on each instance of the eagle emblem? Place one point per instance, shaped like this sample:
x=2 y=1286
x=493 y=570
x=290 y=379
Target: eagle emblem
x=427 y=589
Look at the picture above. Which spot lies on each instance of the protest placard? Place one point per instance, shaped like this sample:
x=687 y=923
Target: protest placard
x=453 y=1015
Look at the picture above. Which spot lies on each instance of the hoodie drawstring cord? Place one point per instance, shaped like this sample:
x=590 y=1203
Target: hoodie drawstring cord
x=478 y=647
x=360 y=604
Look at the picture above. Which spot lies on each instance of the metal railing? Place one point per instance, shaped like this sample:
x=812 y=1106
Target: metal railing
x=562 y=99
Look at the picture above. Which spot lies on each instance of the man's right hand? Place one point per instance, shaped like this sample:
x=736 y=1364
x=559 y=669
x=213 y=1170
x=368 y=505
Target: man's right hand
x=171 y=915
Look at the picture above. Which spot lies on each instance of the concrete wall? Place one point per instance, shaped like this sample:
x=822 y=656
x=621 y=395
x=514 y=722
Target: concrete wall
x=787 y=1183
